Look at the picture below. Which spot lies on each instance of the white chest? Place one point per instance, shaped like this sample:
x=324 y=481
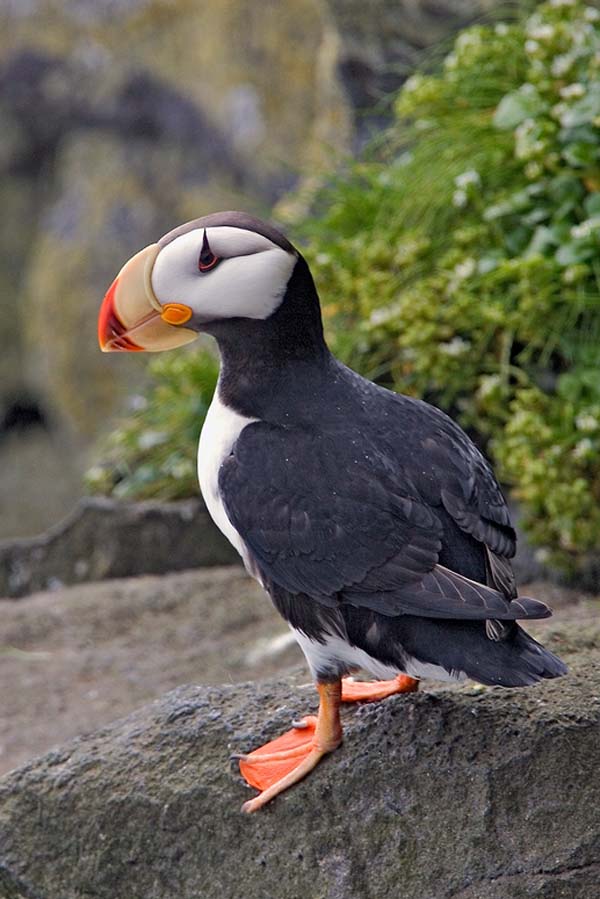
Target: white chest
x=222 y=427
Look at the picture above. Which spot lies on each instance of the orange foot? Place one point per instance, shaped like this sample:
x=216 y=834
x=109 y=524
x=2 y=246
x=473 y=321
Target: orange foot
x=362 y=691
x=286 y=760
x=282 y=762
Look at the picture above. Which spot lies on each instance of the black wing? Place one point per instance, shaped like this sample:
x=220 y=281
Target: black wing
x=468 y=491
x=334 y=520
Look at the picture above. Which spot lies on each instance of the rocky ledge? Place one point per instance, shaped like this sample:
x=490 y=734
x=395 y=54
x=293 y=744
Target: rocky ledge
x=453 y=792
x=105 y=538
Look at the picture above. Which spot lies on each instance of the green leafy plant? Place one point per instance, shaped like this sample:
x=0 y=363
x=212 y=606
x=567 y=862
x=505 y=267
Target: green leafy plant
x=459 y=261
x=152 y=453
x=471 y=275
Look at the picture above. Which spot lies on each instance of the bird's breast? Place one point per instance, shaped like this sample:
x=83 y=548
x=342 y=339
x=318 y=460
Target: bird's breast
x=221 y=429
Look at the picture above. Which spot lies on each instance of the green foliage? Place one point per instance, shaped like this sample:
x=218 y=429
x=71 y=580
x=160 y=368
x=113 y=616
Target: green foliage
x=458 y=262
x=153 y=452
x=471 y=276
x=550 y=448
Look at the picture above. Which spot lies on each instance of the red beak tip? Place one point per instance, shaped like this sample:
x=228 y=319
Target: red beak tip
x=112 y=333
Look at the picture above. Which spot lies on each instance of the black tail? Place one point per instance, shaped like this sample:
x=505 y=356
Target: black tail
x=516 y=660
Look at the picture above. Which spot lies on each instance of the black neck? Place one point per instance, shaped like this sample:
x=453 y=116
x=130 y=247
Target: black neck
x=264 y=363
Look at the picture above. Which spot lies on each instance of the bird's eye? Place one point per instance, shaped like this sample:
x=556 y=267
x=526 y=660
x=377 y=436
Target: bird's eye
x=207 y=260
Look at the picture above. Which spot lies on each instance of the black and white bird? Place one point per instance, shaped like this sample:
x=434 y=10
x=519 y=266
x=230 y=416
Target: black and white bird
x=370 y=518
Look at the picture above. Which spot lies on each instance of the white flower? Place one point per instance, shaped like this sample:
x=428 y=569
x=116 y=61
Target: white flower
x=585 y=229
x=501 y=29
x=541 y=32
x=182 y=469
x=465 y=269
x=137 y=402
x=95 y=473
x=572 y=90
x=561 y=64
x=525 y=128
x=468 y=178
x=531 y=47
x=455 y=347
x=583 y=448
x=149 y=439
x=323 y=259
x=533 y=170
x=581 y=32
x=582 y=230
x=528 y=89
x=558 y=3
x=587 y=422
x=488 y=385
x=459 y=199
x=591 y=14
x=413 y=83
x=572 y=274
x=525 y=145
x=468 y=39
x=559 y=110
x=383 y=315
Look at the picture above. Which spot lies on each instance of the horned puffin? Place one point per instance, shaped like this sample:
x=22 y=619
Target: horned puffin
x=370 y=518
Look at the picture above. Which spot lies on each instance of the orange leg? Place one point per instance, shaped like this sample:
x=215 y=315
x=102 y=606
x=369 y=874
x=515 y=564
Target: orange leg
x=284 y=761
x=360 y=691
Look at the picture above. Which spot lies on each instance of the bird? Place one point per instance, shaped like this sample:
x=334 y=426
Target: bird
x=371 y=519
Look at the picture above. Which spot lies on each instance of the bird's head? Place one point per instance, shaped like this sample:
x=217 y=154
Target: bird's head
x=218 y=268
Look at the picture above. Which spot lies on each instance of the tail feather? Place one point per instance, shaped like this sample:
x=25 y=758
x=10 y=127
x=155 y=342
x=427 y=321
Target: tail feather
x=524 y=607
x=516 y=660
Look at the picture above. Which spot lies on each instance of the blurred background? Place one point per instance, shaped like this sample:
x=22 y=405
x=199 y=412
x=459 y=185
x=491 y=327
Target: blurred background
x=119 y=119
x=439 y=164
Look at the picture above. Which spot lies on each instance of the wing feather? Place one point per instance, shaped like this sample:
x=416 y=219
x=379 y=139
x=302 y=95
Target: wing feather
x=367 y=539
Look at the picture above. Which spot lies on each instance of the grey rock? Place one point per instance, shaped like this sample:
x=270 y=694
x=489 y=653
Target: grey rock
x=103 y=538
x=41 y=477
x=90 y=653
x=446 y=794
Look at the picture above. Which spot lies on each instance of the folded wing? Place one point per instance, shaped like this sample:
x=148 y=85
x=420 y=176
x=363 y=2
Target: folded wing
x=322 y=519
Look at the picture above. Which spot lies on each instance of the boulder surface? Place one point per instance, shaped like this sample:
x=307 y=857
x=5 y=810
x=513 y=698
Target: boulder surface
x=451 y=793
x=88 y=654
x=105 y=538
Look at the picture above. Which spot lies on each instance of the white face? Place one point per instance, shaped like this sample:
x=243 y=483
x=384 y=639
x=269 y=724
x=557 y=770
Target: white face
x=249 y=281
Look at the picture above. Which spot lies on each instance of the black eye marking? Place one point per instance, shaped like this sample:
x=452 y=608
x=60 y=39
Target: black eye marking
x=207 y=260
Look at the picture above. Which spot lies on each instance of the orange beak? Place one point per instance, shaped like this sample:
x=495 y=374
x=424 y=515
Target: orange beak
x=131 y=318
